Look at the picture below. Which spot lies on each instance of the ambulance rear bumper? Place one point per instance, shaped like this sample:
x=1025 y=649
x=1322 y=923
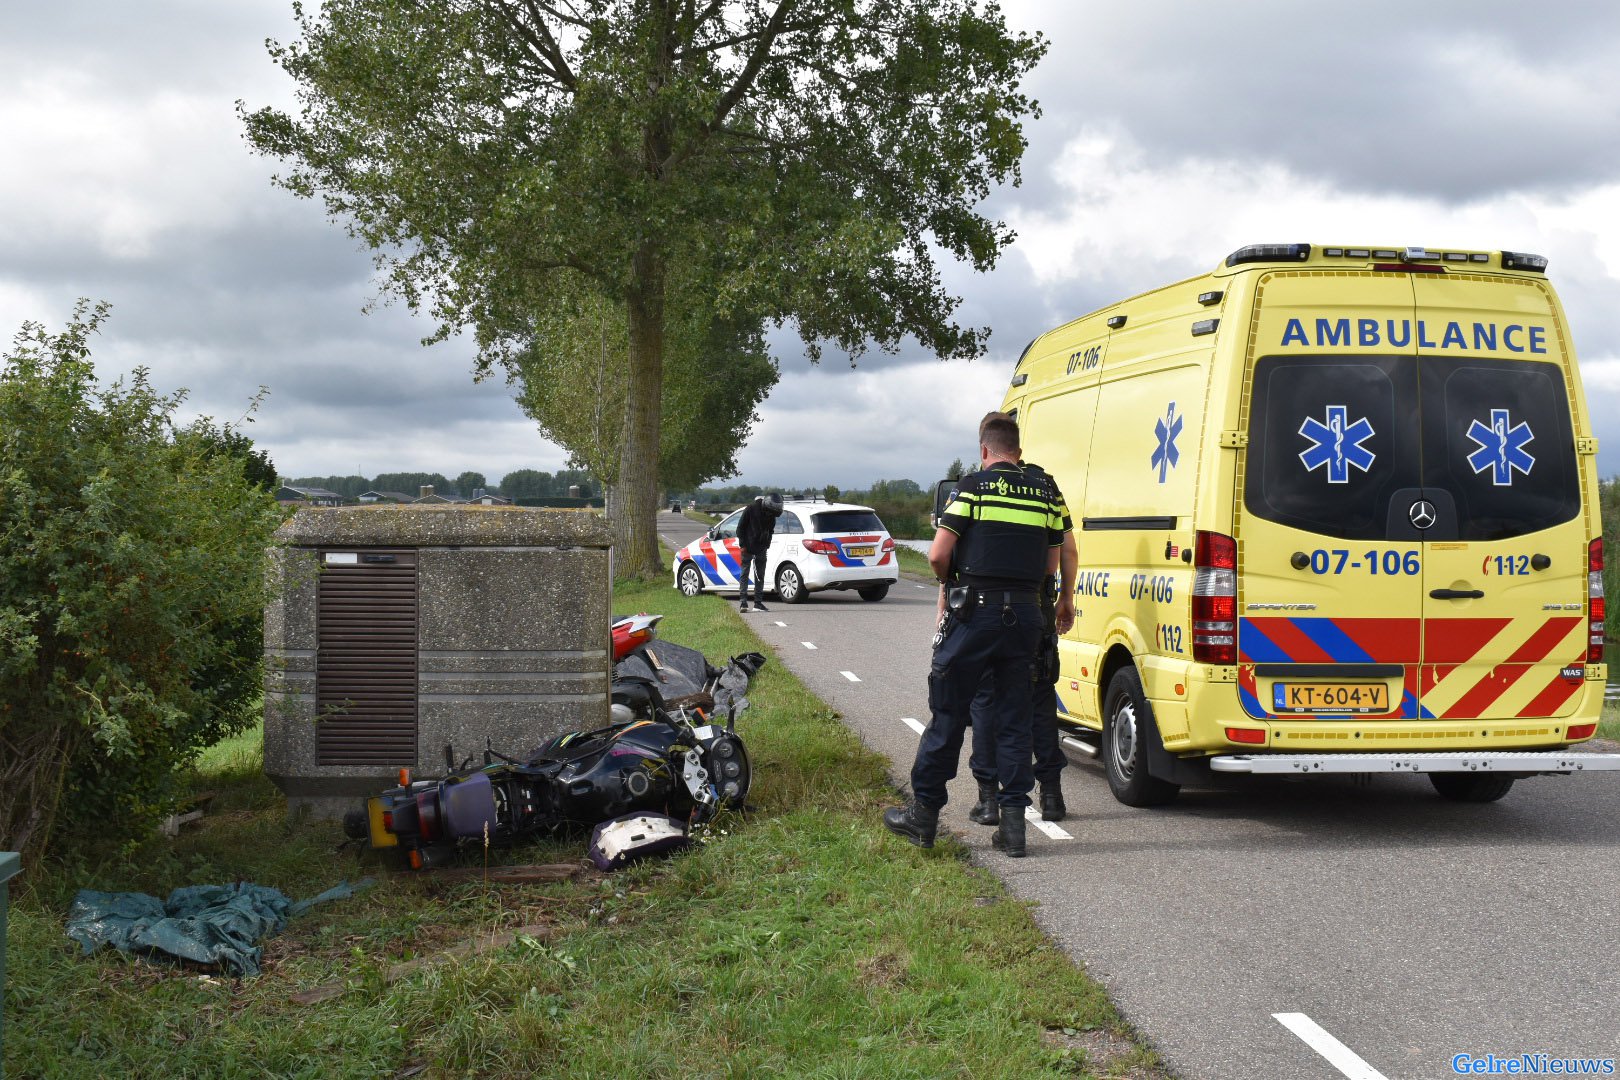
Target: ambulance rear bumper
x=1516 y=762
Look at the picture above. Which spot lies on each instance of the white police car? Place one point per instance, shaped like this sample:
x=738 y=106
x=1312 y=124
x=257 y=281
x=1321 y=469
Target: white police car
x=817 y=546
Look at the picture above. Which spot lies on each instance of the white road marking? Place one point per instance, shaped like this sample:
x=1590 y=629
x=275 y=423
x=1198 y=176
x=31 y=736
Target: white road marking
x=1033 y=816
x=1030 y=813
x=1338 y=1055
x=850 y=675
x=808 y=644
x=779 y=622
x=916 y=586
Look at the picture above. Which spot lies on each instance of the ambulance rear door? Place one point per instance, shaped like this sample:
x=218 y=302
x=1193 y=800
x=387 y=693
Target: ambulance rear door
x=1330 y=600
x=1499 y=511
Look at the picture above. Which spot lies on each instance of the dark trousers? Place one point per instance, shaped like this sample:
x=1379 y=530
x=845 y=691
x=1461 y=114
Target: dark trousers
x=1049 y=756
x=1000 y=642
x=755 y=559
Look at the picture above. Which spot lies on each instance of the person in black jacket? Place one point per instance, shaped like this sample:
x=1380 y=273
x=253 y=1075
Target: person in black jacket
x=754 y=533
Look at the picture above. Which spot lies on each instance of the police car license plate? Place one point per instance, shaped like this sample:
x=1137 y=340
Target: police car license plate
x=1330 y=697
x=863 y=551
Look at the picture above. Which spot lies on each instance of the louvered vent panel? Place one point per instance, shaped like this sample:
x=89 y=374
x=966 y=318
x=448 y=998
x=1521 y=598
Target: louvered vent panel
x=365 y=666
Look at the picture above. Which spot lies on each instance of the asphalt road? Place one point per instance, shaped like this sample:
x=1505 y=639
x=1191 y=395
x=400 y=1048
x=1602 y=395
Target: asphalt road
x=1407 y=928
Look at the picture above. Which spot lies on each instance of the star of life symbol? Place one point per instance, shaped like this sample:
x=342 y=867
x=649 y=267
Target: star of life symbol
x=1165 y=457
x=1501 y=448
x=1337 y=444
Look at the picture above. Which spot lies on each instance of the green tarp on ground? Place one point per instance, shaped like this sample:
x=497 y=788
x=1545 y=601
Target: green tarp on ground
x=207 y=924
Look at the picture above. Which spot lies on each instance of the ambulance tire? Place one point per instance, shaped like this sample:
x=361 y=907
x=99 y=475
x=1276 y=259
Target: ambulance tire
x=874 y=593
x=1129 y=735
x=690 y=581
x=1471 y=787
x=790 y=585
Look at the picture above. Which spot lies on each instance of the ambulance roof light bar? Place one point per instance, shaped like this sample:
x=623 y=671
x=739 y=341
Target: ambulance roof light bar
x=1518 y=260
x=1269 y=253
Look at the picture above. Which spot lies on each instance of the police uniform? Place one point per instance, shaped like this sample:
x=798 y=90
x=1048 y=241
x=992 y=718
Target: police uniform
x=1007 y=521
x=1049 y=757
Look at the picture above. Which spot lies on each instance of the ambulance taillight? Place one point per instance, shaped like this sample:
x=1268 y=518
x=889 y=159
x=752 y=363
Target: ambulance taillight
x=1214 y=599
x=1594 y=601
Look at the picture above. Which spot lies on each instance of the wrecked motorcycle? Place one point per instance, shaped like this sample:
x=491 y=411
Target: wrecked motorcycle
x=678 y=764
x=663 y=753
x=632 y=632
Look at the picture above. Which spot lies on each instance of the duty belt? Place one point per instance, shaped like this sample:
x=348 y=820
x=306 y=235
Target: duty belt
x=1007 y=596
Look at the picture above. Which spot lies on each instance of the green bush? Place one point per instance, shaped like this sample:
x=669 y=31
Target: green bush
x=131 y=573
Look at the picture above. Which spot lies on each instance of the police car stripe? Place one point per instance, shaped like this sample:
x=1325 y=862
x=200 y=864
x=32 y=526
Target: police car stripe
x=706 y=563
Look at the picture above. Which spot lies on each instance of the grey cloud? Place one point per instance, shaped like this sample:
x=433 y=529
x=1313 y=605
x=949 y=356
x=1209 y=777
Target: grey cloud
x=1442 y=99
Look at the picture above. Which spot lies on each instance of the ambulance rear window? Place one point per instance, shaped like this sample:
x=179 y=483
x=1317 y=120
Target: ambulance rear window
x=1497 y=436
x=1330 y=440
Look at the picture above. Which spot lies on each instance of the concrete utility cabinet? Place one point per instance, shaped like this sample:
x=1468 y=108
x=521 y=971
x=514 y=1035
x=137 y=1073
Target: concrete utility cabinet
x=395 y=630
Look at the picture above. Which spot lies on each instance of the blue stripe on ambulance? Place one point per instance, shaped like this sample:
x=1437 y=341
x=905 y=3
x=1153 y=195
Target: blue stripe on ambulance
x=1333 y=641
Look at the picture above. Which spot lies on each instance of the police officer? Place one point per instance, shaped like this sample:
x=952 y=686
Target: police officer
x=754 y=532
x=1057 y=611
x=1001 y=536
x=1057 y=616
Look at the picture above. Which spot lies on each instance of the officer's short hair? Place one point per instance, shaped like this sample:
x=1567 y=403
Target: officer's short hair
x=999 y=432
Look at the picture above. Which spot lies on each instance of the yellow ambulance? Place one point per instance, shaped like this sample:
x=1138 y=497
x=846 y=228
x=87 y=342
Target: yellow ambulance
x=1337 y=511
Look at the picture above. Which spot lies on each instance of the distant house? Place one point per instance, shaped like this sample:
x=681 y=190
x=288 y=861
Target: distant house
x=484 y=498
x=386 y=497
x=309 y=496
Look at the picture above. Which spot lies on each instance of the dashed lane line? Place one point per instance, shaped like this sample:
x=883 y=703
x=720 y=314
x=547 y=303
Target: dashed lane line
x=850 y=675
x=779 y=622
x=808 y=644
x=1031 y=815
x=1340 y=1056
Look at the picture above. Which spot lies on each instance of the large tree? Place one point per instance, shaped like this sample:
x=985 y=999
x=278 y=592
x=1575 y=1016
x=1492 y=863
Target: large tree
x=811 y=156
x=716 y=372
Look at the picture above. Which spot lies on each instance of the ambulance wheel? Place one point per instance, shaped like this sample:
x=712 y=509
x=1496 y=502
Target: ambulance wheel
x=789 y=585
x=1129 y=734
x=690 y=581
x=874 y=593
x=1471 y=787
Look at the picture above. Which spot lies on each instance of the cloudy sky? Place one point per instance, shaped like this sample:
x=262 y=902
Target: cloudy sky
x=1171 y=134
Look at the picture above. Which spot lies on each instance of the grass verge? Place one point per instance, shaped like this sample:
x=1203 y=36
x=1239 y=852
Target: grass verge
x=1609 y=722
x=914 y=562
x=799 y=940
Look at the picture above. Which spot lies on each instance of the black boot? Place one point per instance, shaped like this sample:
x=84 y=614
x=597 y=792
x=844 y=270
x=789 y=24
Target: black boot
x=984 y=811
x=1010 y=835
x=1052 y=808
x=916 y=823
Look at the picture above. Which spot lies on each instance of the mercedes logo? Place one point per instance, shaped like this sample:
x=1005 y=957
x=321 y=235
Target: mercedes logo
x=1421 y=515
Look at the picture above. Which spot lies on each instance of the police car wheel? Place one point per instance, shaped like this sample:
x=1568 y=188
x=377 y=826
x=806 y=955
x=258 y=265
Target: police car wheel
x=690 y=580
x=1128 y=725
x=790 y=586
x=875 y=593
x=1471 y=787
